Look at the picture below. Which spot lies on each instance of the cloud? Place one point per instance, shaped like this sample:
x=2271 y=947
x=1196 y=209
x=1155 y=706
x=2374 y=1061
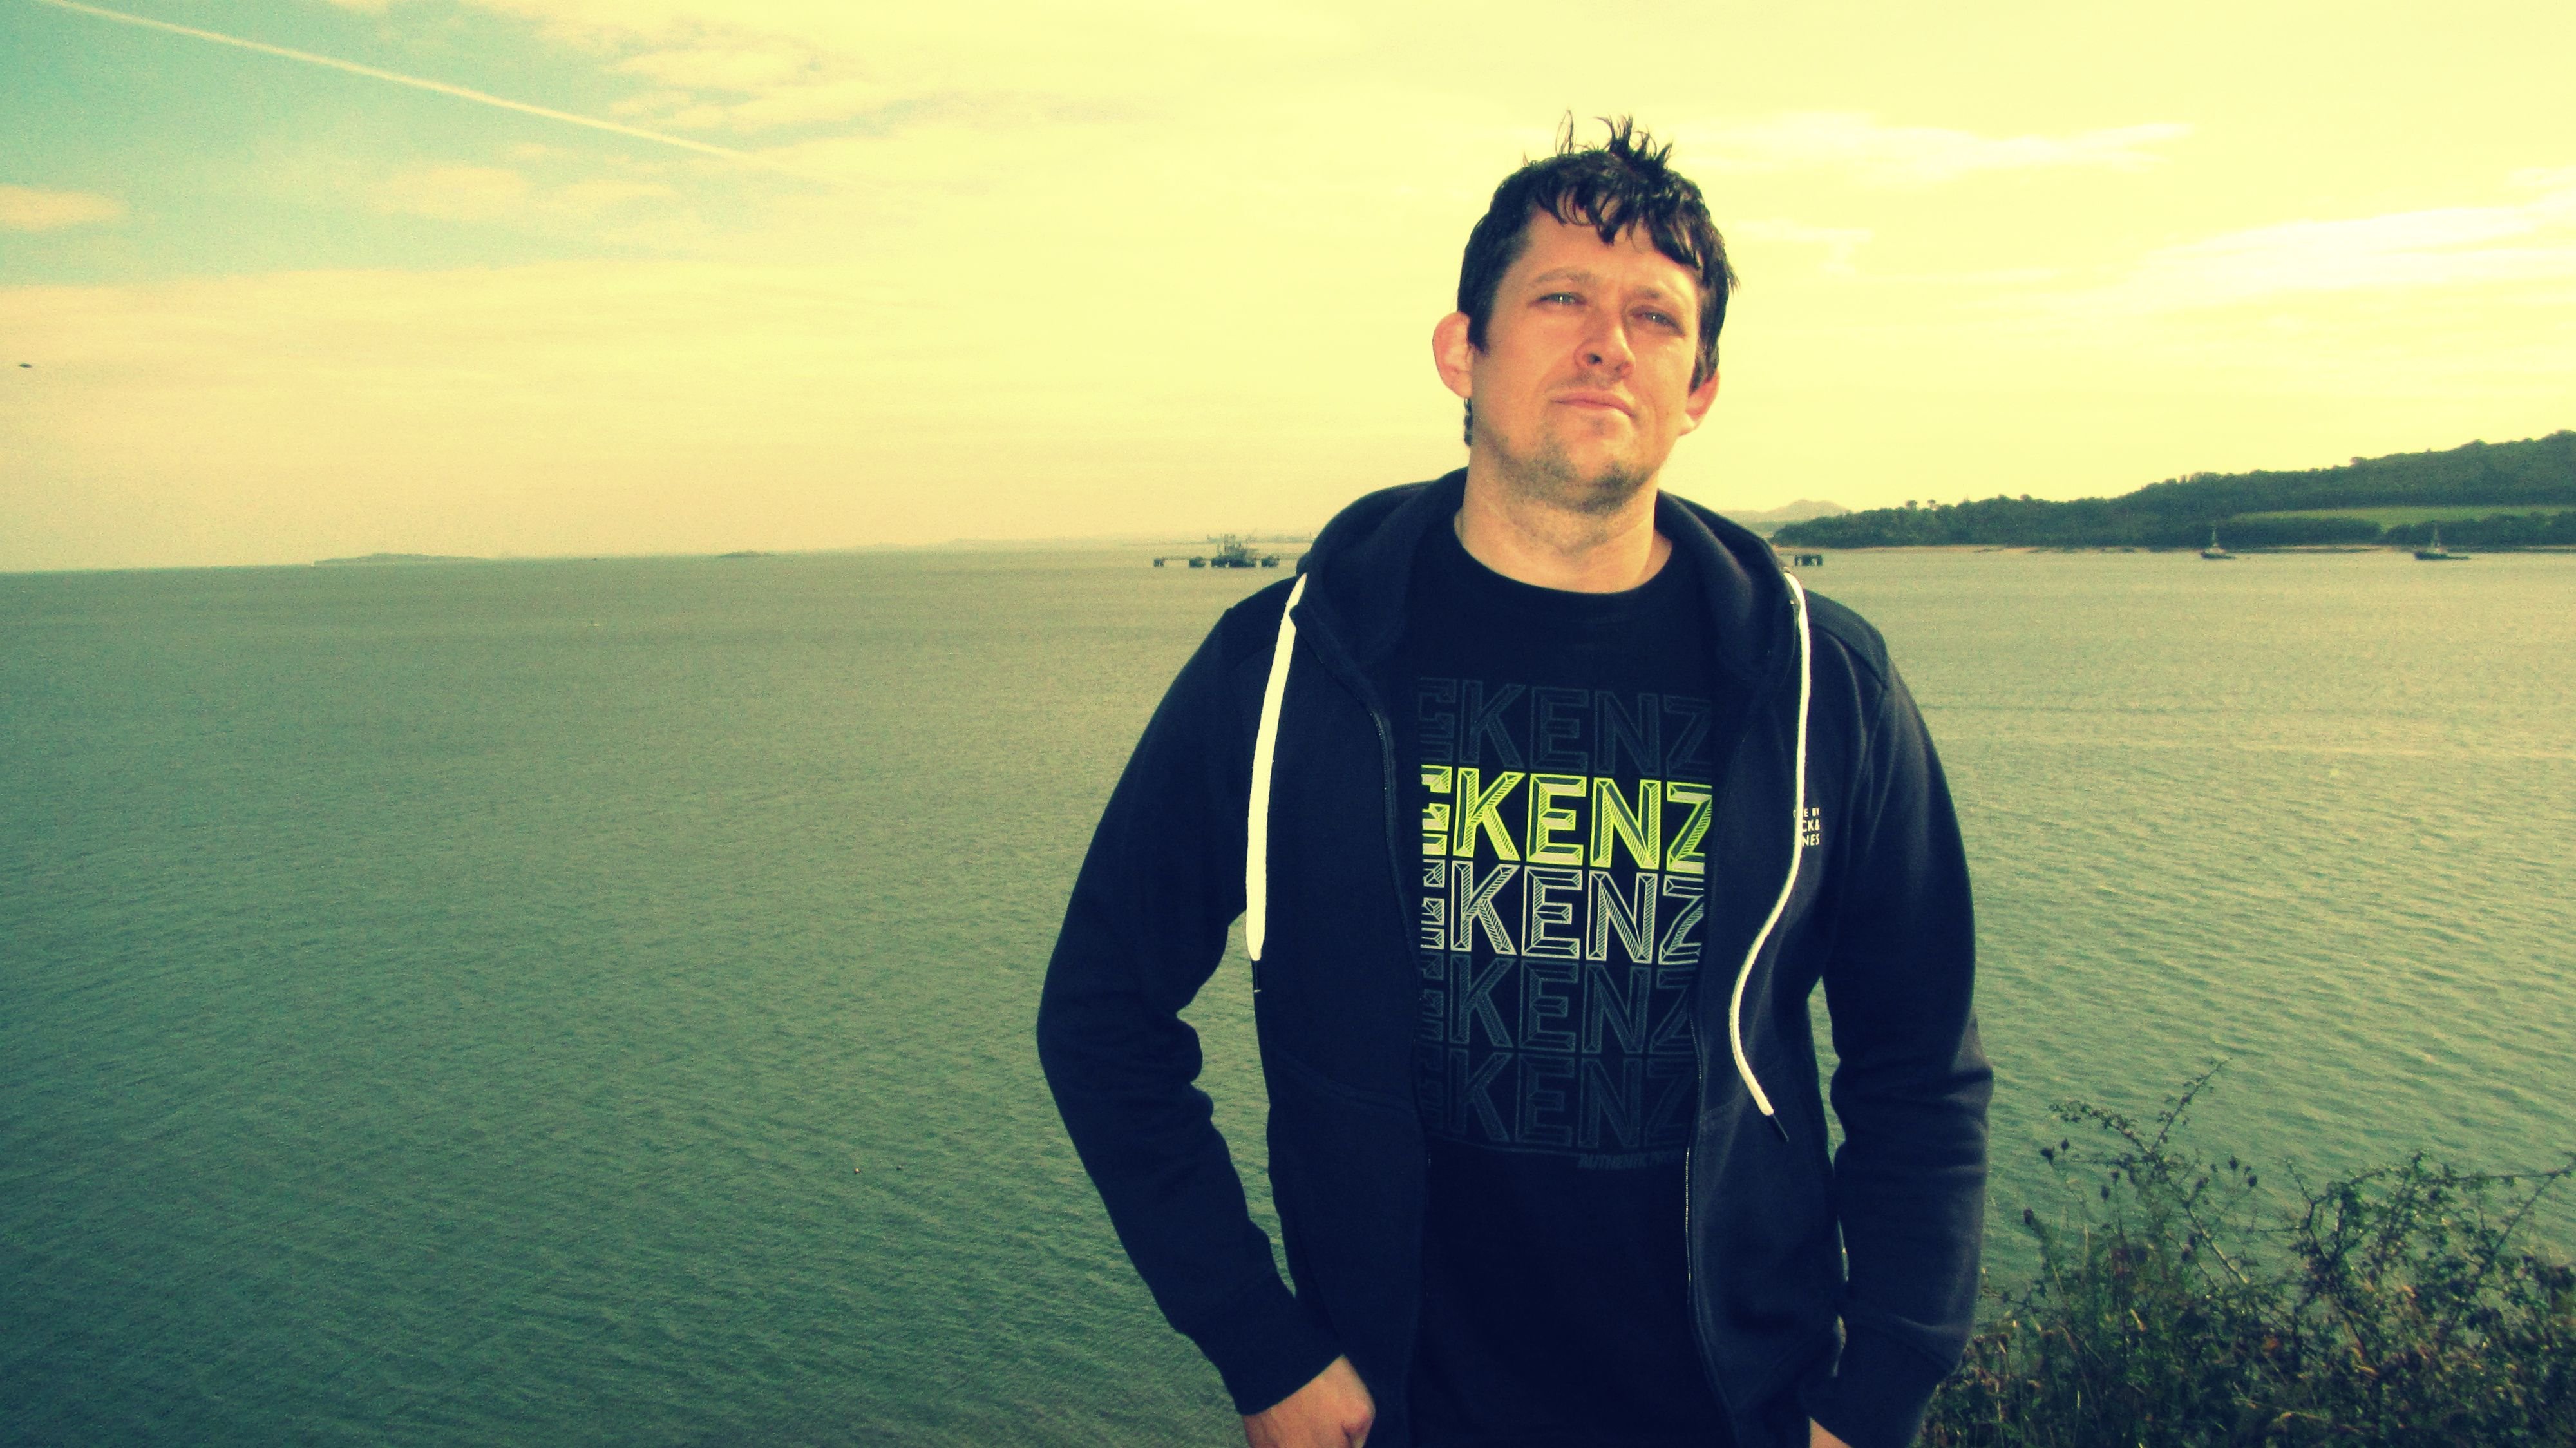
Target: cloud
x=763 y=67
x=785 y=105
x=1910 y=156
x=724 y=67
x=589 y=198
x=493 y=193
x=395 y=77
x=646 y=405
x=453 y=193
x=1838 y=242
x=2532 y=240
x=723 y=84
x=28 y=208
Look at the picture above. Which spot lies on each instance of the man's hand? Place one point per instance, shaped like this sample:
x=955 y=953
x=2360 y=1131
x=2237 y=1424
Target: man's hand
x=1817 y=1437
x=1333 y=1411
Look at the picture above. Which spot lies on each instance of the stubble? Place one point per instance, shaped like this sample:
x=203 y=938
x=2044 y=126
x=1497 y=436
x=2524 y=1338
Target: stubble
x=1547 y=476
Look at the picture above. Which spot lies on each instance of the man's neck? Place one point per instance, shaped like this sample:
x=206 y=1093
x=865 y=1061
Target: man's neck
x=1530 y=542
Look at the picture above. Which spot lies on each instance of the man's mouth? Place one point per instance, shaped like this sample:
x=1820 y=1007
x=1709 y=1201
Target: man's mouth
x=1604 y=401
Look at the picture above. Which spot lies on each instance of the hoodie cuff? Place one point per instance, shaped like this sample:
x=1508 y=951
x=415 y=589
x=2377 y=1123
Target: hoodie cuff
x=1876 y=1396
x=1264 y=1344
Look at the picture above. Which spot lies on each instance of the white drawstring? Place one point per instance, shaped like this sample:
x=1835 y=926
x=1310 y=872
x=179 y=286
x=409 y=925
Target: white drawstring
x=1265 y=747
x=1797 y=852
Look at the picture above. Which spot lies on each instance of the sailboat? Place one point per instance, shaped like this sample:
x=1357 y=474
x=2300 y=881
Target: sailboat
x=2434 y=552
x=2214 y=553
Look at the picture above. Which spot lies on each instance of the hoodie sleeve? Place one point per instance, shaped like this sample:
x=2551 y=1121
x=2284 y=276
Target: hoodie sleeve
x=1910 y=1088
x=1145 y=928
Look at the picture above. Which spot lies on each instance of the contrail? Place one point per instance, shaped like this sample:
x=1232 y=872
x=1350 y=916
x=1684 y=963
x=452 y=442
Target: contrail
x=416 y=82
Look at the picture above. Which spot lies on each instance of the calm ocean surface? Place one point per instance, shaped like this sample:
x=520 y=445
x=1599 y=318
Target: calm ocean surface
x=589 y=1002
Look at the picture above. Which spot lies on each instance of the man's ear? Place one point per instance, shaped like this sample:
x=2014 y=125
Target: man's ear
x=1454 y=355
x=1702 y=397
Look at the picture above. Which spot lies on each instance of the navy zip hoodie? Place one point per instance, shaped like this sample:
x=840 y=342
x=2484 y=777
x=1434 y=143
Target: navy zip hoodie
x=1839 y=1287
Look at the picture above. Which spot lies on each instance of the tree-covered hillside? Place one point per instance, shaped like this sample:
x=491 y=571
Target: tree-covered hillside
x=2514 y=494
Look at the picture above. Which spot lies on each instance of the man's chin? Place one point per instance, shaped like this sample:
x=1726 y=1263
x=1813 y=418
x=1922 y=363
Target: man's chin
x=1571 y=482
x=1605 y=492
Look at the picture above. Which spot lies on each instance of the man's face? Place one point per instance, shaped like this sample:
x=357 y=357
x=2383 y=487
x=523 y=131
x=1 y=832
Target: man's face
x=1584 y=382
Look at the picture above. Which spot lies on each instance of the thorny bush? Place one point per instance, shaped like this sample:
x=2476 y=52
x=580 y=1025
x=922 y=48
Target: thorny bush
x=2178 y=1304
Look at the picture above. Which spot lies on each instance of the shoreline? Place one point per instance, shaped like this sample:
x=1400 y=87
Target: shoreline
x=2287 y=548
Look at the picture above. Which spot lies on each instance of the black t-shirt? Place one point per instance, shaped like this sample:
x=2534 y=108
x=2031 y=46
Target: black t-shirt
x=1566 y=746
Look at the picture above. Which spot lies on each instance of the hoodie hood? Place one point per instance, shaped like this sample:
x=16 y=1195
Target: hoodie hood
x=1363 y=561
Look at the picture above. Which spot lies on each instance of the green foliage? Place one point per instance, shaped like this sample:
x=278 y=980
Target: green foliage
x=2470 y=526
x=2397 y=517
x=2275 y=530
x=2507 y=479
x=2179 y=1304
x=2500 y=530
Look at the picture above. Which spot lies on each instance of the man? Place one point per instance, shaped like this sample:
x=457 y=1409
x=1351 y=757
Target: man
x=1547 y=800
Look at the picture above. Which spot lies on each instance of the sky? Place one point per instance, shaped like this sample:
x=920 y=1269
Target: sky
x=311 y=278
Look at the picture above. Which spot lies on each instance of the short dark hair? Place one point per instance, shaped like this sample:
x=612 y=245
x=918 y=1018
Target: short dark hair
x=1624 y=182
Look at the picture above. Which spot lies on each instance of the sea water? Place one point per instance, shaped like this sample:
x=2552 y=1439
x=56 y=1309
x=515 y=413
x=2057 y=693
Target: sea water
x=589 y=1001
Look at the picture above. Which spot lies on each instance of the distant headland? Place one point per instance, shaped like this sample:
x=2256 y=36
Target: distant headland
x=2481 y=495
x=1768 y=521
x=376 y=558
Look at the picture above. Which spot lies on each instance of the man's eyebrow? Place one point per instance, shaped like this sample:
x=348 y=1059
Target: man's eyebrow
x=1649 y=291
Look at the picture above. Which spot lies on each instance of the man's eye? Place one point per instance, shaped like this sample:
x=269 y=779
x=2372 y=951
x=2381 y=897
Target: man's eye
x=1663 y=319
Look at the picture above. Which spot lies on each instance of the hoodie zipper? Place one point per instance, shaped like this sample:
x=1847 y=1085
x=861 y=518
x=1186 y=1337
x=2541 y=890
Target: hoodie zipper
x=1339 y=663
x=1699 y=1038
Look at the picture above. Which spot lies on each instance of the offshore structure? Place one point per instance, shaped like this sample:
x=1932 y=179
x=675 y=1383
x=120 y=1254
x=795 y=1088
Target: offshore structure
x=1231 y=552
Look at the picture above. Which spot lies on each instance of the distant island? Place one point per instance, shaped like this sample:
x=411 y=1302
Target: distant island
x=2483 y=495
x=397 y=558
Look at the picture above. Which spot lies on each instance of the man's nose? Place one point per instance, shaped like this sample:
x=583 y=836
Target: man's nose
x=1606 y=349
